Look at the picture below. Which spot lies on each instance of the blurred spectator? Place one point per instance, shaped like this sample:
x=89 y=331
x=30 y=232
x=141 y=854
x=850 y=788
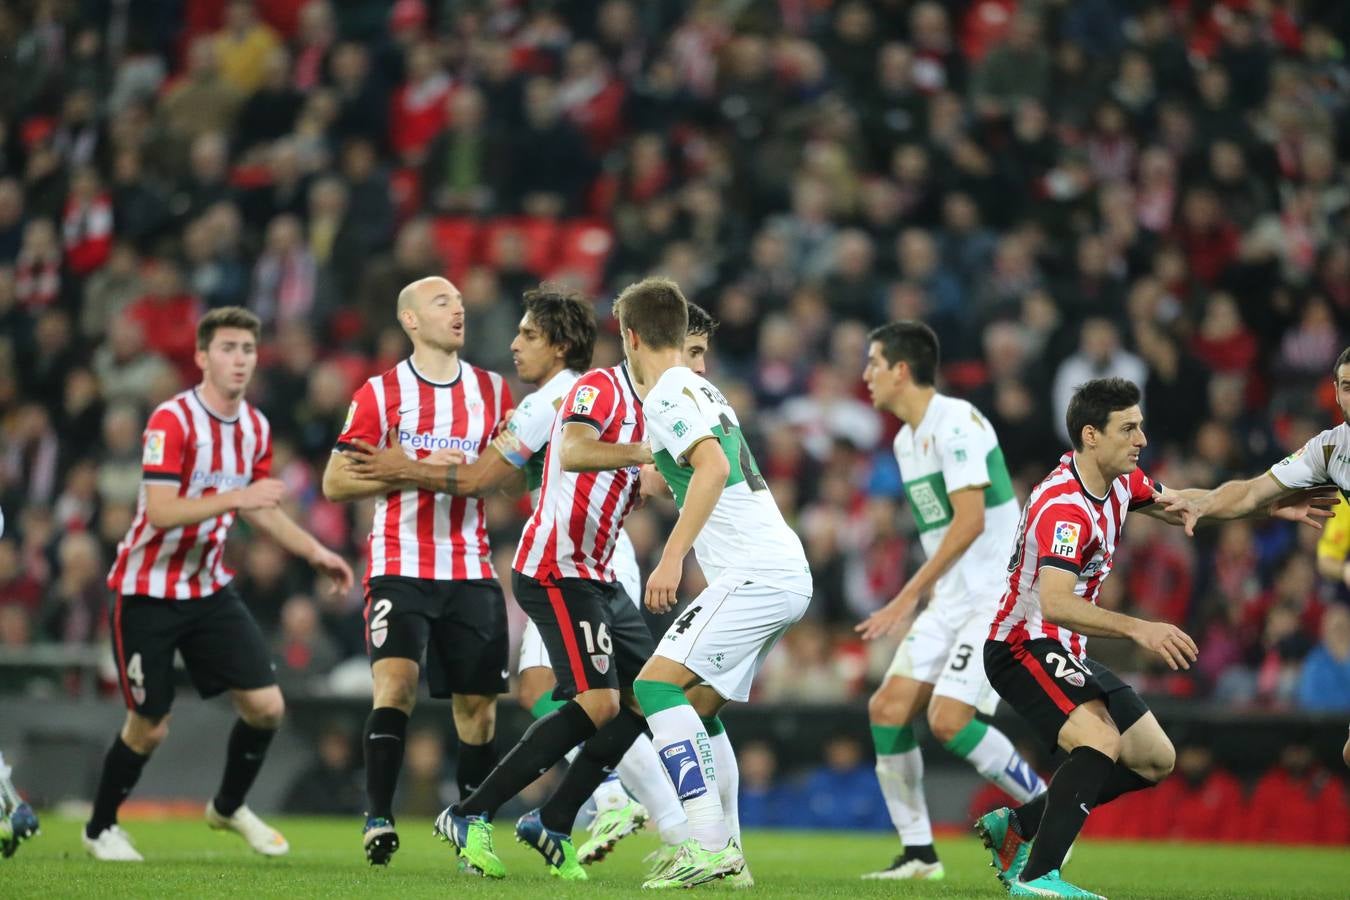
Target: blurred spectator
x=425 y=787
x=763 y=803
x=1324 y=683
x=126 y=369
x=245 y=47
x=168 y=316
x=203 y=101
x=285 y=278
x=304 y=653
x=844 y=790
x=17 y=586
x=1099 y=356
x=330 y=786
x=1298 y=802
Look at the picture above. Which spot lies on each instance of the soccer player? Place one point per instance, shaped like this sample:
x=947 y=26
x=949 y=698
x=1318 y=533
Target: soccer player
x=430 y=586
x=1035 y=655
x=563 y=577
x=206 y=458
x=18 y=822
x=962 y=500
x=759 y=583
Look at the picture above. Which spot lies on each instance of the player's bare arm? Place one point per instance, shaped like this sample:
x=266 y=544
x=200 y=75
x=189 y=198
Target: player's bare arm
x=967 y=525
x=445 y=471
x=165 y=509
x=274 y=522
x=583 y=451
x=342 y=485
x=1061 y=606
x=1240 y=499
x=711 y=469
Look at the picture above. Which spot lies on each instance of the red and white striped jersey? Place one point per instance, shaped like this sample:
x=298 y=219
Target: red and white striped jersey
x=190 y=447
x=580 y=514
x=1065 y=527
x=419 y=533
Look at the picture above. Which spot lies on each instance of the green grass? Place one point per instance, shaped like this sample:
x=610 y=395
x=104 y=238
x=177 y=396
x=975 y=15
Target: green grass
x=185 y=859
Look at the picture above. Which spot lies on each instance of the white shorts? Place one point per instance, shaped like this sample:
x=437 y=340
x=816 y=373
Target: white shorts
x=949 y=657
x=726 y=632
x=532 y=652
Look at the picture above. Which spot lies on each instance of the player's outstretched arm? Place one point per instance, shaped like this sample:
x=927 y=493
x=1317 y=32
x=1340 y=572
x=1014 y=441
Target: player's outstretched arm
x=1061 y=606
x=444 y=472
x=165 y=509
x=711 y=469
x=295 y=540
x=1259 y=496
x=583 y=451
x=341 y=484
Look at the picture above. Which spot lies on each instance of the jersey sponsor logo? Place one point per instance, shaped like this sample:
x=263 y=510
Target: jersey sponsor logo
x=684 y=770
x=680 y=427
x=221 y=481
x=351 y=417
x=154 y=448
x=1066 y=539
x=427 y=441
x=585 y=399
x=959 y=454
x=926 y=503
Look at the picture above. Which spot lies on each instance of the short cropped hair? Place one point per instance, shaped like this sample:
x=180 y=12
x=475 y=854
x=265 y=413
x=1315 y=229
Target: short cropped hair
x=655 y=309
x=910 y=342
x=566 y=320
x=1340 y=361
x=226 y=317
x=1094 y=401
x=701 y=322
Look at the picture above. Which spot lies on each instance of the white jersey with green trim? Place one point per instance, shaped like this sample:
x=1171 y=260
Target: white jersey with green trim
x=1324 y=460
x=954 y=447
x=746 y=532
x=526 y=435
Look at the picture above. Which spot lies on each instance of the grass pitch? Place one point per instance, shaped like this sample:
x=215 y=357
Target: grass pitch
x=185 y=859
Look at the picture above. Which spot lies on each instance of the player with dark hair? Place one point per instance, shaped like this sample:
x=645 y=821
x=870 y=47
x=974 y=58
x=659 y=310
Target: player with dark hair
x=564 y=578
x=1036 y=653
x=430 y=586
x=961 y=496
x=206 y=458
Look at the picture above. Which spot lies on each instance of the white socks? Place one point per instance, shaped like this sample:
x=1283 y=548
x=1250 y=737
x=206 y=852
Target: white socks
x=728 y=781
x=642 y=774
x=685 y=748
x=901 y=777
x=990 y=752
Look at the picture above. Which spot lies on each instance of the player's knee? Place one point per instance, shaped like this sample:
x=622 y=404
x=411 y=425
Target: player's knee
x=143 y=734
x=946 y=722
x=399 y=693
x=1159 y=762
x=885 y=708
x=264 y=710
x=601 y=705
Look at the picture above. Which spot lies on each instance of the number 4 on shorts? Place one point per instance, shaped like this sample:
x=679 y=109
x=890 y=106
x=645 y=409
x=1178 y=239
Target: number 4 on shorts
x=683 y=622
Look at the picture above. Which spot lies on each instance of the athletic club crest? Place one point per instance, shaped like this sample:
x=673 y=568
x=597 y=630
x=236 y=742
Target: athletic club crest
x=1075 y=678
x=378 y=635
x=601 y=662
x=138 y=694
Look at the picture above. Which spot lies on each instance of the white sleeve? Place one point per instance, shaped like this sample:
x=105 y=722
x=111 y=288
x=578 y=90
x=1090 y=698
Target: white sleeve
x=528 y=431
x=675 y=423
x=962 y=447
x=1307 y=466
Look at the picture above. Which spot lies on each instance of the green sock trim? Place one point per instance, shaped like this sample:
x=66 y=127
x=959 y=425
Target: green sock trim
x=968 y=738
x=655 y=696
x=892 y=739
x=545 y=705
x=714 y=726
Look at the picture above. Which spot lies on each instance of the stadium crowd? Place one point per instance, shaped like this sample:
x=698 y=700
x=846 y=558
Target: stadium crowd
x=1063 y=190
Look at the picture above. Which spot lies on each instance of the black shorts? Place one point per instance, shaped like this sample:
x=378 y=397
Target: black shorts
x=222 y=647
x=461 y=626
x=594 y=635
x=1044 y=682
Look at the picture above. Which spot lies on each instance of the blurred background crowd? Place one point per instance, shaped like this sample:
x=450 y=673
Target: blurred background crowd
x=1064 y=190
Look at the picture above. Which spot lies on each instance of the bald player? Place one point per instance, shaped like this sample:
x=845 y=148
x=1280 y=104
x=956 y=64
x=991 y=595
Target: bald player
x=430 y=585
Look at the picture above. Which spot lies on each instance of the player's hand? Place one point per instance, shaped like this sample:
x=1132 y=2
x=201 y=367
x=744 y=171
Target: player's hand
x=389 y=464
x=1307 y=507
x=662 y=584
x=1189 y=511
x=504 y=421
x=328 y=563
x=890 y=617
x=265 y=493
x=1168 y=641
x=644 y=454
x=651 y=484
x=448 y=457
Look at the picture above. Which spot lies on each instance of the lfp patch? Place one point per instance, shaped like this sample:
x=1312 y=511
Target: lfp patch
x=585 y=399
x=154 y=448
x=1066 y=539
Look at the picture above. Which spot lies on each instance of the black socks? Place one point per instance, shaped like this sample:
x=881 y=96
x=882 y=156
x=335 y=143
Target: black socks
x=1073 y=792
x=475 y=762
x=243 y=758
x=121 y=770
x=542 y=745
x=386 y=733
x=597 y=759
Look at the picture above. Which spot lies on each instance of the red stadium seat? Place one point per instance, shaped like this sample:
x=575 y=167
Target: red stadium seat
x=583 y=248
x=540 y=236
x=457 y=241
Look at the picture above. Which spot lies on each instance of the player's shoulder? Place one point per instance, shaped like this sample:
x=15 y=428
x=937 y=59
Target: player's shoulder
x=957 y=417
x=171 y=411
x=469 y=370
x=678 y=379
x=255 y=415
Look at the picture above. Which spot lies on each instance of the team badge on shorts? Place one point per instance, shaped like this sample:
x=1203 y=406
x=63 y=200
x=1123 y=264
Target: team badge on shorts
x=138 y=694
x=601 y=662
x=1075 y=678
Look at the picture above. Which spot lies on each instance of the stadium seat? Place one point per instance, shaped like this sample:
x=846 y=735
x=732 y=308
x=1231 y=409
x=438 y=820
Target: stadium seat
x=457 y=241
x=539 y=234
x=583 y=248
